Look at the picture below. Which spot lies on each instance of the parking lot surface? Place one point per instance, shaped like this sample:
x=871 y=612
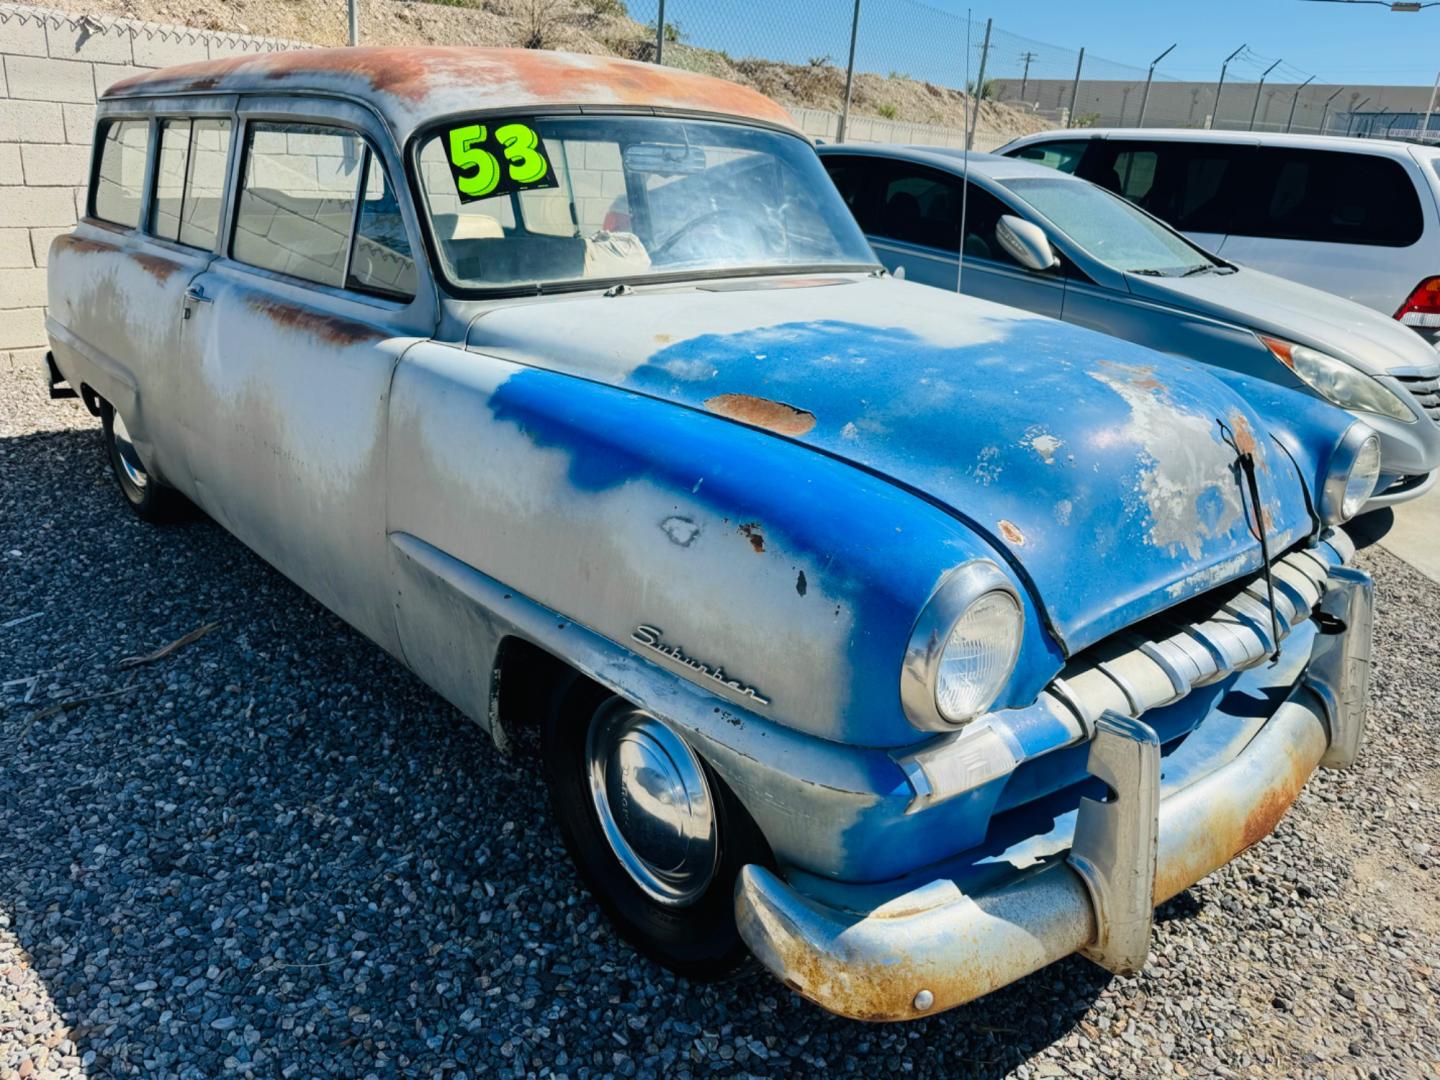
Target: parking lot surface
x=274 y=852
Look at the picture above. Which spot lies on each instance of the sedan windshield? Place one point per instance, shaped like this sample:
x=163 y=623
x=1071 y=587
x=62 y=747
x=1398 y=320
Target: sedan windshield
x=1111 y=229
x=520 y=202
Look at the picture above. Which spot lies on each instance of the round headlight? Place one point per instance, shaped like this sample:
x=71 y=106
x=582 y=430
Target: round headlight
x=978 y=657
x=1338 y=382
x=1354 y=472
x=963 y=648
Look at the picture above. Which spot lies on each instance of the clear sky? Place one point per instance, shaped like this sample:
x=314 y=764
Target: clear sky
x=1338 y=43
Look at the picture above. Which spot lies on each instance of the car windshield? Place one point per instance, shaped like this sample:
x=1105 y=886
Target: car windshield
x=520 y=202
x=1111 y=229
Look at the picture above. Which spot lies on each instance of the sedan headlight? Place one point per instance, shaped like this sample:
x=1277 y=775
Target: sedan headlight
x=1354 y=471
x=962 y=649
x=1338 y=382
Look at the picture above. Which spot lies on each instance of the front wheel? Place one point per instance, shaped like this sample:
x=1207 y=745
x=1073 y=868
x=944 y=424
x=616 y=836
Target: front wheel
x=655 y=833
x=151 y=500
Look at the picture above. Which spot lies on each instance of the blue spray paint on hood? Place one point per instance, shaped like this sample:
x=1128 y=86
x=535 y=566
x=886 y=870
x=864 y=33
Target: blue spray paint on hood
x=1099 y=468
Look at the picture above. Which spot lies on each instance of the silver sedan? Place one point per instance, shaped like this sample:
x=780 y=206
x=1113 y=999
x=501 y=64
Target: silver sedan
x=1051 y=243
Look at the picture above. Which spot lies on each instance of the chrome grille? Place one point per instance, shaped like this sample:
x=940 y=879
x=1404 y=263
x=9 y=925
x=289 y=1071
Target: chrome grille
x=1228 y=630
x=1426 y=390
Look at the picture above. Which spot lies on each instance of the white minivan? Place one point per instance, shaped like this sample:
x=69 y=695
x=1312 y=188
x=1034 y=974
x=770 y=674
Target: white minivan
x=1356 y=217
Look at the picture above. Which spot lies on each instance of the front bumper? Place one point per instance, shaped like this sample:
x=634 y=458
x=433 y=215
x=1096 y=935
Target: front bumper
x=935 y=947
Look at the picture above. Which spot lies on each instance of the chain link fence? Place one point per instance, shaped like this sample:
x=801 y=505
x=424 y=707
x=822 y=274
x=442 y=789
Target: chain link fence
x=905 y=70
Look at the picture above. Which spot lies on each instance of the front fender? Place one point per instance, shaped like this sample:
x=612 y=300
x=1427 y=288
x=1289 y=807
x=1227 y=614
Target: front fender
x=774 y=576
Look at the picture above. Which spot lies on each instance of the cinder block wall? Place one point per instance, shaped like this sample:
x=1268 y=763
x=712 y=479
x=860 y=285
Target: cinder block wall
x=53 y=66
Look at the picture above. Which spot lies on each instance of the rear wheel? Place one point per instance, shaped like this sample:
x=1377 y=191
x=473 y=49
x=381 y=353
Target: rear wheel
x=149 y=498
x=655 y=833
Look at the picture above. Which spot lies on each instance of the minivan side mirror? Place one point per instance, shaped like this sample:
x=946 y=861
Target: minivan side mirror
x=1025 y=242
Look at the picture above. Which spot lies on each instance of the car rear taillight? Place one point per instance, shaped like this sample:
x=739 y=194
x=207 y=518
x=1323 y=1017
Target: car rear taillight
x=1422 y=309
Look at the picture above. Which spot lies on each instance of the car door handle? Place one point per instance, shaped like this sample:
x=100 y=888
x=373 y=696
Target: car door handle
x=197 y=294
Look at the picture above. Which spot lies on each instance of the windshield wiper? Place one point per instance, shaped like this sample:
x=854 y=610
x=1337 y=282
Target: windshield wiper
x=1150 y=273
x=1203 y=268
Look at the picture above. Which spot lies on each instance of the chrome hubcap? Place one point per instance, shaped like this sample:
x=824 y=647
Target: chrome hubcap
x=653 y=802
x=125 y=450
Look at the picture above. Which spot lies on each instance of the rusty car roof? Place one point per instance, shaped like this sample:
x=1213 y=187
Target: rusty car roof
x=410 y=86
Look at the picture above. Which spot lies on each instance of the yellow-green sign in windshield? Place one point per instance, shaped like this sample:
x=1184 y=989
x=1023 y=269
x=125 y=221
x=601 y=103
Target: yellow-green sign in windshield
x=491 y=159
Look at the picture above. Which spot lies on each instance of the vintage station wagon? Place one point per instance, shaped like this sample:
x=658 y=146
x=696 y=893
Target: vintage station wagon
x=906 y=641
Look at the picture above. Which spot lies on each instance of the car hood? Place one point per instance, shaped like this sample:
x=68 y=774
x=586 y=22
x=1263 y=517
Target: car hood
x=1098 y=469
x=1286 y=309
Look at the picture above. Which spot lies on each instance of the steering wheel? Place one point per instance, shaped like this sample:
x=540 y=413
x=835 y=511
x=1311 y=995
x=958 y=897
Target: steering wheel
x=712 y=217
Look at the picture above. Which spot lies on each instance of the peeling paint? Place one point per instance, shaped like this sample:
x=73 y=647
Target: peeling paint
x=1045 y=445
x=1186 y=480
x=987 y=467
x=1063 y=510
x=774 y=416
x=1011 y=534
x=751 y=532
x=680 y=530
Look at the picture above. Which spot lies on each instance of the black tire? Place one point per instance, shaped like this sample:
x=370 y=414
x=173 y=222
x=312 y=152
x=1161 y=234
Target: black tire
x=152 y=500
x=699 y=940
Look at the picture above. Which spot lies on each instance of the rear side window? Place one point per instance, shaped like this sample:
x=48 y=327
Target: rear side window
x=1064 y=156
x=1194 y=187
x=305 y=189
x=190 y=180
x=120 y=175
x=919 y=207
x=1331 y=197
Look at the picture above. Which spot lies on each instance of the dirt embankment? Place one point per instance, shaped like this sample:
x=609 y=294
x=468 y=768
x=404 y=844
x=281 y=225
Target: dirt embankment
x=586 y=26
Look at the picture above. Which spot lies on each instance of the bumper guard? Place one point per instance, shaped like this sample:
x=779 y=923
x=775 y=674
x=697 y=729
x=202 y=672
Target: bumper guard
x=935 y=947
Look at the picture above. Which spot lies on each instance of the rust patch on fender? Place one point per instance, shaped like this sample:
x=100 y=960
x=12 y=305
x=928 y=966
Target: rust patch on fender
x=161 y=269
x=330 y=328
x=1011 y=532
x=762 y=413
x=1245 y=441
x=752 y=533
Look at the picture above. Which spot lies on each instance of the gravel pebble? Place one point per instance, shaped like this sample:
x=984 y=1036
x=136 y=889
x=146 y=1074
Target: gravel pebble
x=277 y=853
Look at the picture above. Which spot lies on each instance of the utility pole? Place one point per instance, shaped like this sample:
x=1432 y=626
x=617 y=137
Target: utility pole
x=1145 y=98
x=1425 y=127
x=1075 y=86
x=1295 y=100
x=1025 y=75
x=978 y=90
x=1215 y=114
x=849 y=73
x=1325 y=112
x=354 y=22
x=660 y=34
x=1258 y=87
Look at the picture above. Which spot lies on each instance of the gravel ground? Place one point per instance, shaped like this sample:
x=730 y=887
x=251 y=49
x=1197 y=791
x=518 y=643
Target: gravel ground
x=275 y=852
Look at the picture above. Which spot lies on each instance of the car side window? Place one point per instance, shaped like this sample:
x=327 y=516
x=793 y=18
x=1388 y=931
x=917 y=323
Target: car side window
x=1193 y=187
x=298 y=207
x=1064 y=156
x=918 y=206
x=120 y=176
x=382 y=260
x=190 y=180
x=1331 y=197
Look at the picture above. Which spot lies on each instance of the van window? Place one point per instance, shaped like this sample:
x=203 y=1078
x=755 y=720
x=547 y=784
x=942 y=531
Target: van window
x=120 y=178
x=1190 y=186
x=1331 y=197
x=190 y=180
x=297 y=208
x=1064 y=156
